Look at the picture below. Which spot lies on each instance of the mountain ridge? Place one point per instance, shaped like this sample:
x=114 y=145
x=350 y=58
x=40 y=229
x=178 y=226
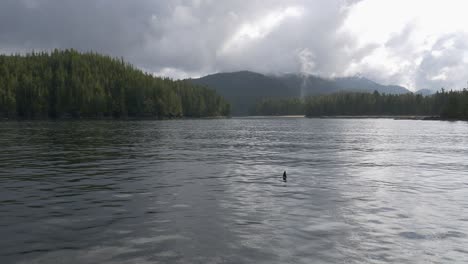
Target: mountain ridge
x=244 y=88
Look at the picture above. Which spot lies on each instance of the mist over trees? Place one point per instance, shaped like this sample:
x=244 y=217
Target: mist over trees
x=244 y=89
x=72 y=84
x=447 y=105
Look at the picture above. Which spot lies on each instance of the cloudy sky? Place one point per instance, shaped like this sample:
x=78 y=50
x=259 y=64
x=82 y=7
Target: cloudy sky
x=415 y=43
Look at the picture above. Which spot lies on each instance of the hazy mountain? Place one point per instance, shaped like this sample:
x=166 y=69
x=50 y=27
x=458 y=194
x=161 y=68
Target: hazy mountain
x=307 y=85
x=313 y=85
x=243 y=89
x=424 y=92
x=361 y=84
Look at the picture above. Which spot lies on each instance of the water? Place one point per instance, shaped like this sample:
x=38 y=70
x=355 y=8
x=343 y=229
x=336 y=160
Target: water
x=211 y=191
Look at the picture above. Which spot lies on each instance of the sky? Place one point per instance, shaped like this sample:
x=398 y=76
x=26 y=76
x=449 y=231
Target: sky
x=419 y=44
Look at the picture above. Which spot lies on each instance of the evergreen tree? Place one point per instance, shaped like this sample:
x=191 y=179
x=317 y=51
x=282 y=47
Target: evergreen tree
x=69 y=83
x=448 y=105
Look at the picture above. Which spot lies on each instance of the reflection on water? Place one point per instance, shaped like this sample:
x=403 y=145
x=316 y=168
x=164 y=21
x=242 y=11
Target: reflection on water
x=211 y=191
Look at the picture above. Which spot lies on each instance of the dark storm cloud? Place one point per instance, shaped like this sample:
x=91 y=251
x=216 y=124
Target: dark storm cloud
x=183 y=38
x=183 y=35
x=106 y=26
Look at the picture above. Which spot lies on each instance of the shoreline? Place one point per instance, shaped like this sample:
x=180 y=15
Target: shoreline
x=395 y=117
x=18 y=119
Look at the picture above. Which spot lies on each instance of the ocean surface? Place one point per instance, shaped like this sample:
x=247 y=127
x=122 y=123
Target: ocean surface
x=211 y=191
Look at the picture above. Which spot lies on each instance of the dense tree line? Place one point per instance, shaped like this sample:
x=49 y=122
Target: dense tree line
x=448 y=105
x=72 y=84
x=278 y=107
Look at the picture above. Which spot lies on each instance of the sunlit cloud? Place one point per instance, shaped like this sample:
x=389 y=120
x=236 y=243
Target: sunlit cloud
x=260 y=28
x=407 y=32
x=175 y=73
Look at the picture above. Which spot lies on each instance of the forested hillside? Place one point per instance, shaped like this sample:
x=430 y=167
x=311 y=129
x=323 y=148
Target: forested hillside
x=244 y=89
x=447 y=105
x=72 y=84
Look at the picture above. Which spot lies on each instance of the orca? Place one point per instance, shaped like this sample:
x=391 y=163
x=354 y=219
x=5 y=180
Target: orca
x=285 y=177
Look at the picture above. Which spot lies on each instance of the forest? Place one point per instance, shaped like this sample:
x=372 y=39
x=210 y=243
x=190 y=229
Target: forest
x=70 y=84
x=278 y=107
x=444 y=104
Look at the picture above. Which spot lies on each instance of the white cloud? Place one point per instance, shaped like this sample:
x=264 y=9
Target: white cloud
x=174 y=73
x=259 y=28
x=416 y=43
x=406 y=32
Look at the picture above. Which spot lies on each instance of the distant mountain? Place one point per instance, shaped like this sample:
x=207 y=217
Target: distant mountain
x=313 y=85
x=308 y=85
x=360 y=84
x=243 y=89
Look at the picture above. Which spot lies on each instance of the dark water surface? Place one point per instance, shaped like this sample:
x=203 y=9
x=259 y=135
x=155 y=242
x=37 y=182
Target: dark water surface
x=211 y=191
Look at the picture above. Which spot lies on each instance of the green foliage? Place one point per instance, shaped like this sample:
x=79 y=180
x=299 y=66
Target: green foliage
x=277 y=107
x=448 y=105
x=453 y=104
x=72 y=84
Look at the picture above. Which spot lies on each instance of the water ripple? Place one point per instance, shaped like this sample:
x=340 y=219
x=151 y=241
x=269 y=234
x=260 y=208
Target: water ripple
x=210 y=191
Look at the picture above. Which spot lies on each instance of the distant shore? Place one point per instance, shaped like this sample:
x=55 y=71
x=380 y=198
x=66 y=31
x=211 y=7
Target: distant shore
x=110 y=118
x=396 y=117
x=270 y=116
